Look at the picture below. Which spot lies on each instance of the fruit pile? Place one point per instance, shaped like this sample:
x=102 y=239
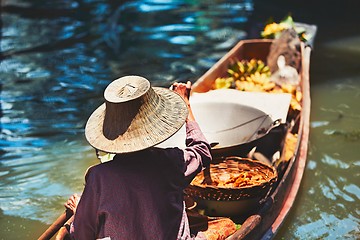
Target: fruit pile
x=254 y=76
x=273 y=30
x=244 y=75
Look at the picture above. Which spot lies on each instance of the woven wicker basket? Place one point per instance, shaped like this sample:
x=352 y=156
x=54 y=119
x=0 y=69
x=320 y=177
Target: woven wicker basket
x=234 y=165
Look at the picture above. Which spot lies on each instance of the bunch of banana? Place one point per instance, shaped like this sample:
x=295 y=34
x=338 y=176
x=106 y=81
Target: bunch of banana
x=224 y=83
x=257 y=82
x=245 y=75
x=242 y=69
x=254 y=76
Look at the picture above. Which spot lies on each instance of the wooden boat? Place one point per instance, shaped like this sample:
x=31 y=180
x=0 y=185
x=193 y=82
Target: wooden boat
x=267 y=220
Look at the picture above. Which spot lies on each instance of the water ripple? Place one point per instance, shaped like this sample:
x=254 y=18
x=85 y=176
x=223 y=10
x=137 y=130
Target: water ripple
x=354 y=190
x=328 y=226
x=337 y=163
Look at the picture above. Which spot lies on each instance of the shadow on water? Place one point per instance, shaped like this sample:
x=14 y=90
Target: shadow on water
x=49 y=13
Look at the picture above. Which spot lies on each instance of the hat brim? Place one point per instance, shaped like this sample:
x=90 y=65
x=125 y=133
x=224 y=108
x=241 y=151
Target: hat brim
x=147 y=129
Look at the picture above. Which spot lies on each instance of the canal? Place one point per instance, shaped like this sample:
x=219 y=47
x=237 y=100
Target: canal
x=58 y=56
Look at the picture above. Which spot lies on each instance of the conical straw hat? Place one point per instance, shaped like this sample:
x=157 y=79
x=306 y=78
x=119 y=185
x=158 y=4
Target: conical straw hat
x=135 y=116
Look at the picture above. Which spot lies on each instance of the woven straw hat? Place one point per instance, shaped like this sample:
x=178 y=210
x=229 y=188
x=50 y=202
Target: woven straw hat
x=135 y=116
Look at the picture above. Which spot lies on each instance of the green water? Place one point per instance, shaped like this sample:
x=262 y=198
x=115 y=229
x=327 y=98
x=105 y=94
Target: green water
x=328 y=204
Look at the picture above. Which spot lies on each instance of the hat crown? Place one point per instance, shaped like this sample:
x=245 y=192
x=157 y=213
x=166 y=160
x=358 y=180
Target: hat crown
x=126 y=88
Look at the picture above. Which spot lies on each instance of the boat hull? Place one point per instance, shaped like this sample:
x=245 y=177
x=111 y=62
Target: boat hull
x=267 y=220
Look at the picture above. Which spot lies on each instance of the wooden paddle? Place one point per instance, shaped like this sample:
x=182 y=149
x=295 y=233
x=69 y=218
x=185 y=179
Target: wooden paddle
x=58 y=223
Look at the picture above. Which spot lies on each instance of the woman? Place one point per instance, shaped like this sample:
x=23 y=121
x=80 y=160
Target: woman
x=139 y=194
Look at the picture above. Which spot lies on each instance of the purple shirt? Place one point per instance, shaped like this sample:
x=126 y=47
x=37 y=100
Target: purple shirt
x=140 y=195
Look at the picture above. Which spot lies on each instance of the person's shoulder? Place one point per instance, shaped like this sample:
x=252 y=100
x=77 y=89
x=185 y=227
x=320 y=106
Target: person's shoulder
x=98 y=168
x=167 y=152
x=99 y=171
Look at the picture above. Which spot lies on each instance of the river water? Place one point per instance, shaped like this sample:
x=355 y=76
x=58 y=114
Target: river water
x=58 y=56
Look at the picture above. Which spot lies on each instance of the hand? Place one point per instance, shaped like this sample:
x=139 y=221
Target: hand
x=72 y=202
x=184 y=91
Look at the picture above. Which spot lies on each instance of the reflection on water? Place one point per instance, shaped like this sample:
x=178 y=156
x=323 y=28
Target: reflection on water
x=58 y=56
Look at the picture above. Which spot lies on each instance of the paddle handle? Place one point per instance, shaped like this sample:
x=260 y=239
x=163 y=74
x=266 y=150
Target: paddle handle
x=58 y=223
x=249 y=225
x=207 y=176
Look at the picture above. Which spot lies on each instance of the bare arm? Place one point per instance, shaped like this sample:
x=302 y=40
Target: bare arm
x=73 y=202
x=197 y=152
x=184 y=91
